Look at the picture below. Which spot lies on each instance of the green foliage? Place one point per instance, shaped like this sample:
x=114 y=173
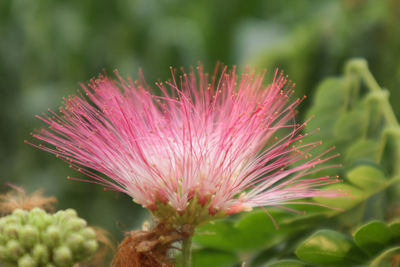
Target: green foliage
x=288 y=263
x=245 y=233
x=367 y=177
x=329 y=247
x=373 y=244
x=36 y=238
x=213 y=258
x=372 y=237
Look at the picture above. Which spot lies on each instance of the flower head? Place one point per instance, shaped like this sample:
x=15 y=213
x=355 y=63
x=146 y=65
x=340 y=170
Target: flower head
x=200 y=148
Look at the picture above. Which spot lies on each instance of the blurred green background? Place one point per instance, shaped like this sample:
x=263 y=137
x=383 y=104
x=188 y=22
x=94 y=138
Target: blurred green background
x=47 y=47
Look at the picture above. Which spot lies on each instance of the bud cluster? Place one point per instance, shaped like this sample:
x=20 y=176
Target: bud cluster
x=36 y=238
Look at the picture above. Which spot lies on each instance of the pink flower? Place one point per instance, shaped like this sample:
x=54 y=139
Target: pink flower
x=212 y=142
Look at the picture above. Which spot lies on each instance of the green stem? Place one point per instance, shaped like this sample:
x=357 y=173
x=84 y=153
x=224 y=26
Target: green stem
x=186 y=251
x=360 y=67
x=374 y=87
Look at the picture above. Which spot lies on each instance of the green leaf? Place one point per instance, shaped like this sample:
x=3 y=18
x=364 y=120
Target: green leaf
x=385 y=256
x=328 y=247
x=349 y=218
x=372 y=237
x=213 y=258
x=287 y=263
x=328 y=106
x=331 y=93
x=259 y=230
x=363 y=149
x=367 y=177
x=254 y=230
x=395 y=230
x=251 y=230
x=355 y=196
x=350 y=125
x=322 y=119
x=219 y=235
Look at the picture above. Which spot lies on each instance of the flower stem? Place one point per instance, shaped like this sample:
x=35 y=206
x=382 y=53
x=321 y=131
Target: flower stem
x=186 y=251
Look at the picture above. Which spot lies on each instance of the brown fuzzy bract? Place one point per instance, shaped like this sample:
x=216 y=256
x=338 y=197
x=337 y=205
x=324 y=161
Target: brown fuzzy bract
x=17 y=198
x=147 y=248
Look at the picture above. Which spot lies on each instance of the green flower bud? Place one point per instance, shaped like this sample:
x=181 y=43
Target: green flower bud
x=60 y=216
x=40 y=253
x=90 y=247
x=11 y=230
x=21 y=215
x=28 y=236
x=76 y=224
x=45 y=221
x=35 y=216
x=37 y=212
x=2 y=222
x=62 y=256
x=75 y=241
x=26 y=261
x=3 y=239
x=88 y=233
x=14 y=250
x=3 y=253
x=71 y=213
x=52 y=236
x=19 y=212
x=10 y=219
